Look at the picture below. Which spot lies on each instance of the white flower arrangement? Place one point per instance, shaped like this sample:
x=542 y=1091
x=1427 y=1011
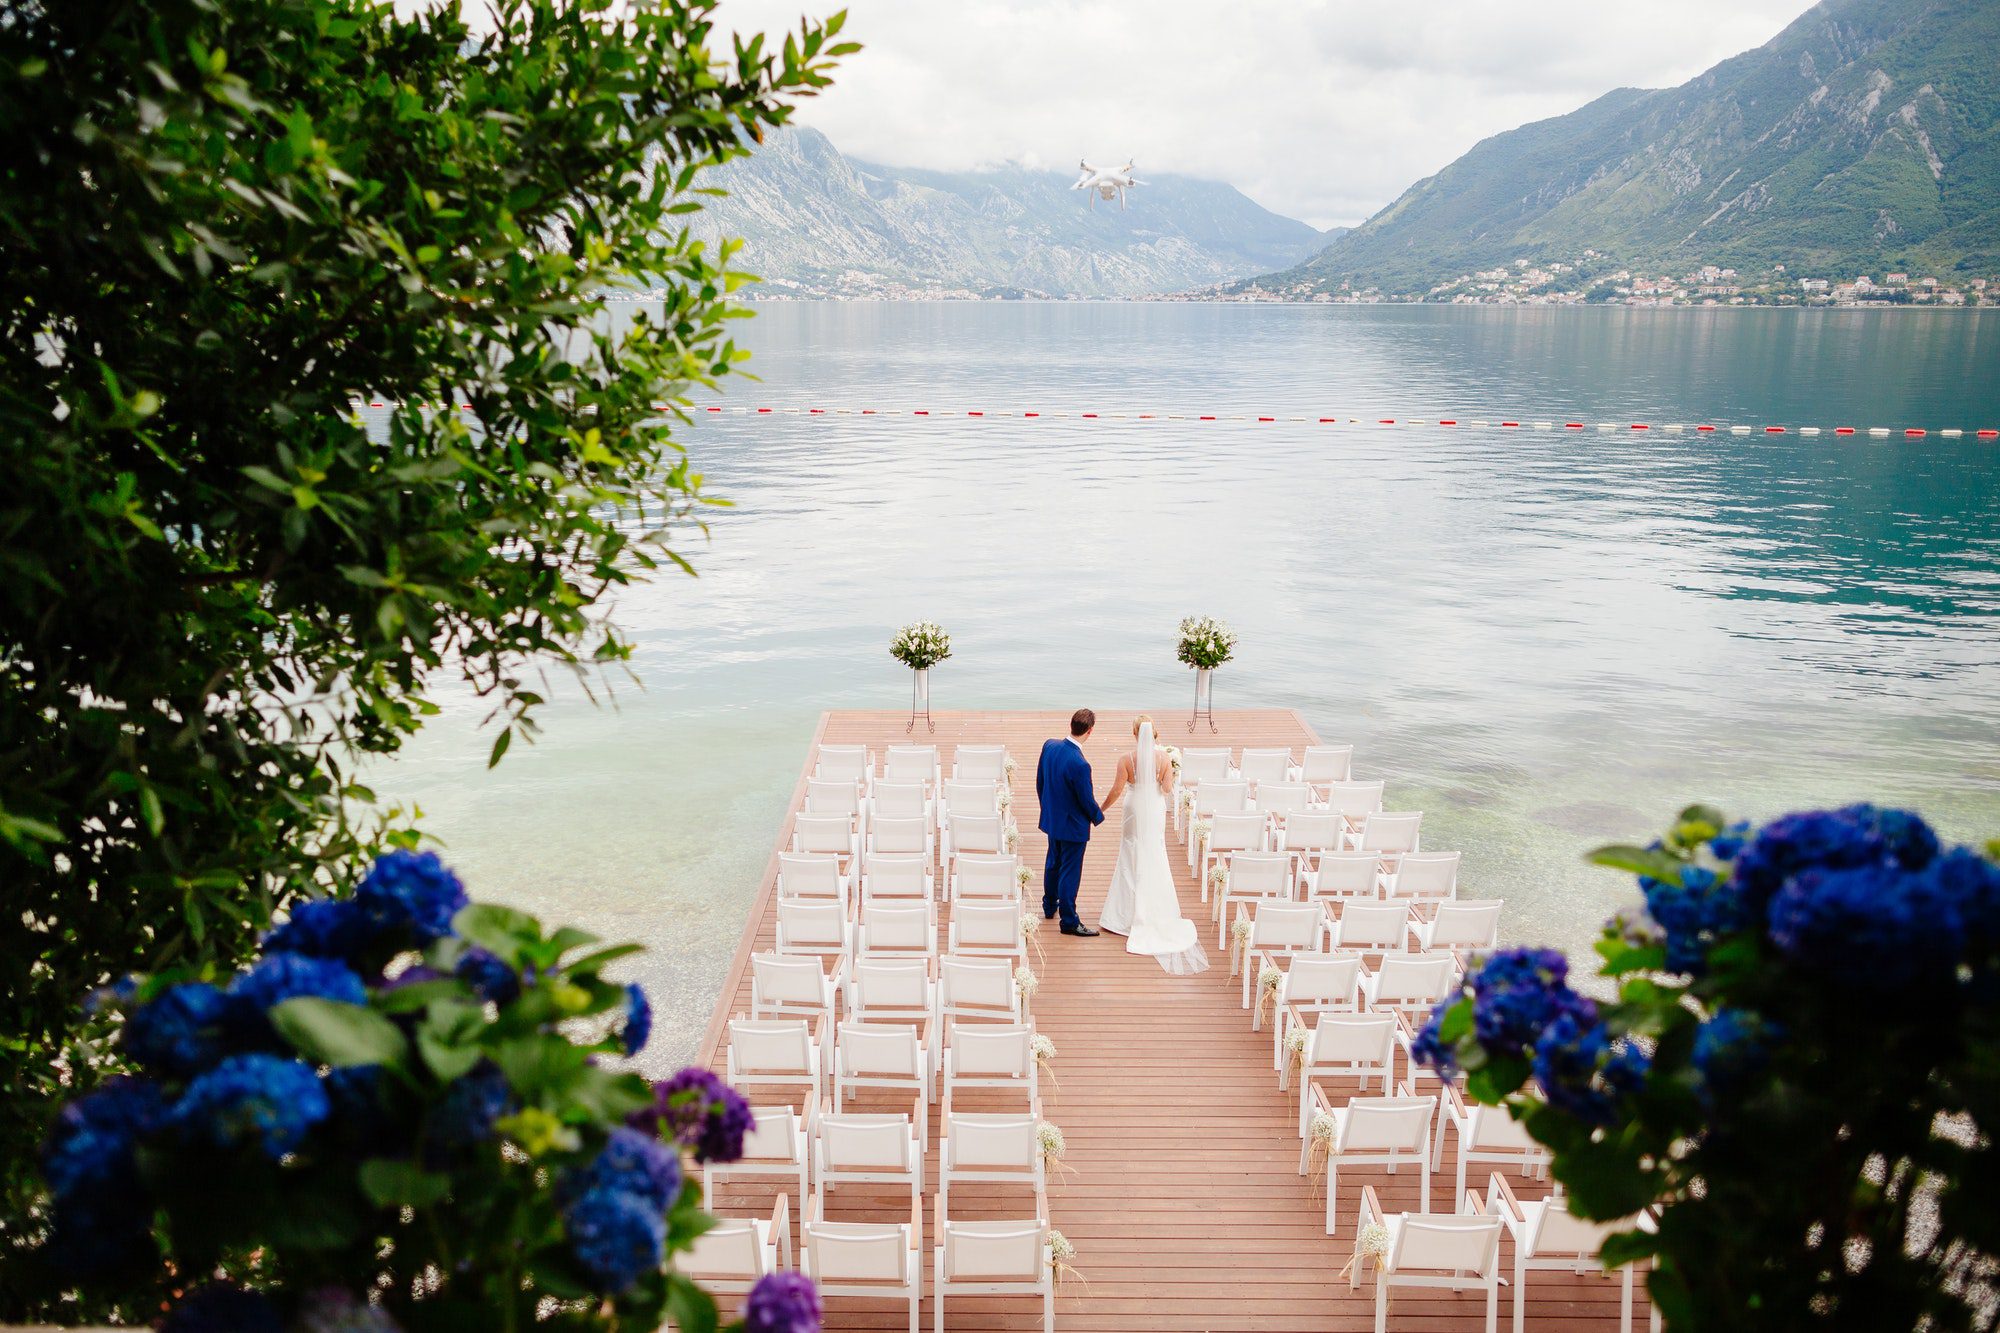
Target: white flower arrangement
x=1023 y=877
x=1054 y=1147
x=1026 y=982
x=1012 y=839
x=920 y=646
x=1187 y=800
x=1239 y=936
x=1174 y=760
x=1045 y=1057
x=1031 y=932
x=1218 y=877
x=1201 y=828
x=1062 y=1255
x=1205 y=642
x=1008 y=766
x=1004 y=798
x=1319 y=1146
x=1295 y=1049
x=1268 y=982
x=1372 y=1241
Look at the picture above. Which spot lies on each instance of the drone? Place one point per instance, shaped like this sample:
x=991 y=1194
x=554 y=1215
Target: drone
x=1105 y=183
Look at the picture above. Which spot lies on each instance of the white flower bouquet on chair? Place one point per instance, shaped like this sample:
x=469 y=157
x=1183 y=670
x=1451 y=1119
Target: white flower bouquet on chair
x=1205 y=644
x=920 y=646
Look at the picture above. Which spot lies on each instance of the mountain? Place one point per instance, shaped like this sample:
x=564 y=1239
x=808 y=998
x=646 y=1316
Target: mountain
x=1864 y=137
x=817 y=223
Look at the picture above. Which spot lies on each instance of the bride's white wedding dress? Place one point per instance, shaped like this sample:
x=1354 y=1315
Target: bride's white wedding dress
x=1143 y=904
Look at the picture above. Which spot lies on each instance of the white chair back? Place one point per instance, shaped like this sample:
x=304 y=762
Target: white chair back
x=992 y=1050
x=1352 y=1039
x=978 y=988
x=1346 y=875
x=972 y=798
x=976 y=833
x=979 y=763
x=730 y=1250
x=1238 y=832
x=843 y=763
x=900 y=800
x=880 y=1050
x=988 y=875
x=788 y=980
x=994 y=1252
x=1282 y=798
x=770 y=1045
x=1214 y=798
x=1263 y=874
x=831 y=835
x=1458 y=1243
x=1327 y=763
x=832 y=798
x=773 y=1135
x=809 y=875
x=1310 y=831
x=1200 y=766
x=851 y=1142
x=889 y=988
x=890 y=928
x=1316 y=980
x=1372 y=926
x=860 y=1252
x=1473 y=923
x=980 y=927
x=896 y=875
x=1386 y=1124
x=1288 y=926
x=1410 y=980
x=1354 y=799
x=987 y=1142
x=810 y=926
x=1553 y=1229
x=892 y=834
x=1392 y=834
x=910 y=763
x=1262 y=766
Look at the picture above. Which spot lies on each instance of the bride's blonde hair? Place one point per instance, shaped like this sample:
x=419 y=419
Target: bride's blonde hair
x=1140 y=721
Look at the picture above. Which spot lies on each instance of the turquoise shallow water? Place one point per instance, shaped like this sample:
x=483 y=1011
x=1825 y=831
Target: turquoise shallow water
x=1542 y=640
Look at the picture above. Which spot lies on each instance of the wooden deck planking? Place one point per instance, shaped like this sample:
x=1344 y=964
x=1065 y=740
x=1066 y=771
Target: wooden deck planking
x=1184 y=1202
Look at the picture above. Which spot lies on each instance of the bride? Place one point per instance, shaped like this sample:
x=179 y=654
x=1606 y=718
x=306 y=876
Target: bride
x=1143 y=905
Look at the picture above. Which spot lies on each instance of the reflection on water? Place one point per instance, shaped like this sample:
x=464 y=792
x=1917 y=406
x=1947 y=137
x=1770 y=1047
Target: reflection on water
x=1542 y=640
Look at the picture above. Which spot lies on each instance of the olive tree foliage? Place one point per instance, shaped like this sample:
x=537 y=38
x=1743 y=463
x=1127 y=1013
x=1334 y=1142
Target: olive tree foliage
x=222 y=223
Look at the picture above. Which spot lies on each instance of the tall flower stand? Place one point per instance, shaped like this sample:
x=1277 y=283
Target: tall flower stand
x=1204 y=697
x=920 y=701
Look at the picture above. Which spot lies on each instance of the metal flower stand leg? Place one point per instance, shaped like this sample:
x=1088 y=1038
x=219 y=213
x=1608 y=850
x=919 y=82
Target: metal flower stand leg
x=920 y=701
x=1204 y=698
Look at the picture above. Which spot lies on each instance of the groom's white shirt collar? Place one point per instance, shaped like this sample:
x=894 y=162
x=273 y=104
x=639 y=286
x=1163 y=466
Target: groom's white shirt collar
x=1074 y=741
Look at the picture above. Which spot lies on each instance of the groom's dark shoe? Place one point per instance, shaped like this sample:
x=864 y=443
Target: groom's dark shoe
x=1082 y=930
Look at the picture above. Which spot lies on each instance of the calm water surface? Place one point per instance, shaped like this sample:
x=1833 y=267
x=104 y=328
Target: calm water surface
x=1541 y=640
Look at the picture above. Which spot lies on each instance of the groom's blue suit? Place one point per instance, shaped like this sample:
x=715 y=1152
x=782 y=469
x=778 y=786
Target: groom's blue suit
x=1069 y=811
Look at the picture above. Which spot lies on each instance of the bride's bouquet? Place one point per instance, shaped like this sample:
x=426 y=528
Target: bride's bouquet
x=1205 y=642
x=920 y=646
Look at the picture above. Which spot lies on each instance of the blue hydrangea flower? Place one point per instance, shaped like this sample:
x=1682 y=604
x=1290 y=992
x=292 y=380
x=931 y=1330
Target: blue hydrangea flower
x=638 y=1019
x=1428 y=1050
x=1873 y=927
x=700 y=1112
x=412 y=891
x=1729 y=844
x=1583 y=1074
x=1516 y=993
x=277 y=977
x=469 y=1108
x=633 y=1163
x=488 y=974
x=179 y=1032
x=89 y=1151
x=617 y=1237
x=218 y=1308
x=325 y=928
x=1694 y=914
x=337 y=1310
x=1731 y=1048
x=257 y=1100
x=782 y=1303
x=1856 y=835
x=1971 y=884
x=118 y=992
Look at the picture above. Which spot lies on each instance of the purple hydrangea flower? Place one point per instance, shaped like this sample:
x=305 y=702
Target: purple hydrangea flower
x=219 y=1308
x=488 y=974
x=412 y=891
x=179 y=1032
x=782 y=1303
x=638 y=1019
x=632 y=1163
x=700 y=1112
x=469 y=1108
x=261 y=1101
x=617 y=1237
x=325 y=928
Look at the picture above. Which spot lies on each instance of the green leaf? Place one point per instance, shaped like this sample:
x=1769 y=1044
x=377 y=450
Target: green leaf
x=330 y=1032
x=1457 y=1022
x=1638 y=860
x=595 y=961
x=400 y=1184
x=1624 y=1247
x=500 y=744
x=501 y=931
x=691 y=1309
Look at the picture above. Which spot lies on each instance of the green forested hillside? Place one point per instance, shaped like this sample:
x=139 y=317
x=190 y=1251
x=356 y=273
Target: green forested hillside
x=1864 y=137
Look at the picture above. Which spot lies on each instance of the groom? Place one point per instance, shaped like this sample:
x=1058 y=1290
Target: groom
x=1062 y=786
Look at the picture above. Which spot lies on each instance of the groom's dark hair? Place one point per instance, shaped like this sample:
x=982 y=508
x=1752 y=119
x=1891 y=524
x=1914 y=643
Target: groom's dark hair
x=1081 y=720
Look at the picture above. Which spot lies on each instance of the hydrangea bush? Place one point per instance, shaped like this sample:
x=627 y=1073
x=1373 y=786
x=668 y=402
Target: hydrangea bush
x=403 y=1115
x=1799 y=1073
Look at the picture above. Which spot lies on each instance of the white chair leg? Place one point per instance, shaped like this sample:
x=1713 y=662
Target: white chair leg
x=1332 y=1189
x=1492 y=1306
x=1382 y=1304
x=937 y=1293
x=1049 y=1308
x=1624 y=1302
x=1521 y=1287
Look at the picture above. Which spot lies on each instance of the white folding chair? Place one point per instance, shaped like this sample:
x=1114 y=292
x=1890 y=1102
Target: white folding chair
x=1212 y=799
x=1343 y=877
x=840 y=797
x=872 y=1259
x=1426 y=1249
x=895 y=929
x=1242 y=831
x=978 y=989
x=911 y=763
x=901 y=837
x=1326 y=764
x=986 y=930
x=808 y=926
x=793 y=986
x=1354 y=801
x=1487 y=1134
x=1424 y=879
x=1252 y=877
x=1459 y=927
x=901 y=800
x=730 y=1257
x=892 y=990
x=974 y=835
x=1258 y=767
x=904 y=876
x=1277 y=929
x=1310 y=984
x=1389 y=835
x=1409 y=984
x=1548 y=1237
x=828 y=835
x=992 y=1056
x=1371 y=927
x=887 y=1056
x=1309 y=835
x=784 y=1052
x=811 y=875
x=844 y=763
x=1359 y=1046
x=776 y=1145
x=989 y=876
x=979 y=763
x=978 y=799
x=980 y=1146
x=1374 y=1131
x=1282 y=801
x=1206 y=765
x=866 y=1149
x=993 y=1258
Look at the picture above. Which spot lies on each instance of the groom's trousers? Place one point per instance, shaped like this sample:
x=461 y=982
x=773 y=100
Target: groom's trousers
x=1061 y=873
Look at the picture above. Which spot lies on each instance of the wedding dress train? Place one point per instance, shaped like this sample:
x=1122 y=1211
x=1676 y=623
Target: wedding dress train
x=1143 y=904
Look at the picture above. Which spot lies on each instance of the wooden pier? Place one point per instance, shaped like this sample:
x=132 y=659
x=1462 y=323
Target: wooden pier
x=1184 y=1200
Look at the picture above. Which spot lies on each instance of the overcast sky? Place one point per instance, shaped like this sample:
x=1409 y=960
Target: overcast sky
x=1321 y=109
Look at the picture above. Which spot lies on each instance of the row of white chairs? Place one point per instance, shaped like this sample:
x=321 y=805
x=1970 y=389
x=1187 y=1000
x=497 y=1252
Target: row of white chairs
x=1317 y=766
x=890 y=871
x=910 y=763
x=1307 y=832
x=1323 y=858
x=840 y=820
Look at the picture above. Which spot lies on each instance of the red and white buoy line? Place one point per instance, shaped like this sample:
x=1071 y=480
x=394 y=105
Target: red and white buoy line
x=1665 y=428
